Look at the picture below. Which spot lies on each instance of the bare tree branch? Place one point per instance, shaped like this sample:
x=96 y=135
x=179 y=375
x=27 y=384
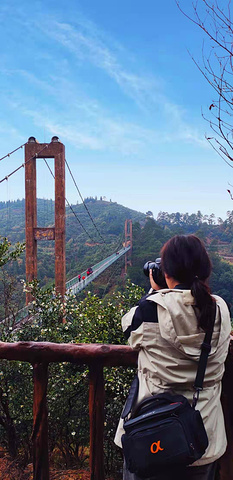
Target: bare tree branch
x=214 y=19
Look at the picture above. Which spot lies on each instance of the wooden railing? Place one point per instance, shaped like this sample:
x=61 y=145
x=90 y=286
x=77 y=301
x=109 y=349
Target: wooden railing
x=96 y=356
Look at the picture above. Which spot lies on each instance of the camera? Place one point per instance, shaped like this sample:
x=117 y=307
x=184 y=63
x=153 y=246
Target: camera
x=157 y=273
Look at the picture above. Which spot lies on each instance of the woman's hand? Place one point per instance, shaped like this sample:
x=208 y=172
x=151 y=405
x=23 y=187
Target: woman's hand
x=154 y=285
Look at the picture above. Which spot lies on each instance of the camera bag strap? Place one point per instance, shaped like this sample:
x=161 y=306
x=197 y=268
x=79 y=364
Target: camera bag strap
x=205 y=350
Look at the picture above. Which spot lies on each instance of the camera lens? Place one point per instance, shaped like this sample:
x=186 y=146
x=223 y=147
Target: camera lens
x=147 y=267
x=157 y=274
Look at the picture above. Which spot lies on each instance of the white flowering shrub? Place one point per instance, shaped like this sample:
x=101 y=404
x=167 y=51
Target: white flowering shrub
x=89 y=321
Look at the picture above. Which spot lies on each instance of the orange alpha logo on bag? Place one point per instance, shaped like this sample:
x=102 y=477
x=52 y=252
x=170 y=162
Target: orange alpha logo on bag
x=155 y=447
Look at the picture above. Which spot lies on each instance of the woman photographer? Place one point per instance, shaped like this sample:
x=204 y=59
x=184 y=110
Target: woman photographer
x=168 y=327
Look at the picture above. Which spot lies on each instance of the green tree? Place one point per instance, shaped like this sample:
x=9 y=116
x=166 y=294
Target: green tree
x=88 y=321
x=8 y=254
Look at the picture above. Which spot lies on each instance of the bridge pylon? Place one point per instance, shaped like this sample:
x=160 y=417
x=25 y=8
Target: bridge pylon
x=34 y=150
x=128 y=242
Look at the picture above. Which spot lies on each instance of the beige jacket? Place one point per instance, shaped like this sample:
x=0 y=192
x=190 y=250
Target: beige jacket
x=168 y=357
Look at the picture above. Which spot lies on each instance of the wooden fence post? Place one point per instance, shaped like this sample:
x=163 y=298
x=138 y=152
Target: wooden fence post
x=96 y=413
x=226 y=462
x=40 y=423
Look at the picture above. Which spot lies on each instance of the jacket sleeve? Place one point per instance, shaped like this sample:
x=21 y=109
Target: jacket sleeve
x=133 y=322
x=132 y=325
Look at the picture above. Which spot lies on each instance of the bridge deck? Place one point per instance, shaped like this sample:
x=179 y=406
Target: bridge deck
x=75 y=286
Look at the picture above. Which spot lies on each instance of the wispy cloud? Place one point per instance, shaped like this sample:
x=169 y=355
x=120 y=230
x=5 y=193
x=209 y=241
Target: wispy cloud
x=86 y=44
x=87 y=125
x=101 y=134
x=90 y=123
x=9 y=130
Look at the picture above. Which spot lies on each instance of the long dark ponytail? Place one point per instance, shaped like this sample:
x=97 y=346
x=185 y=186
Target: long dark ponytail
x=185 y=259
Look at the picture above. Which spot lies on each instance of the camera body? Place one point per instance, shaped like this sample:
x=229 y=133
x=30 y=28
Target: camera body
x=157 y=273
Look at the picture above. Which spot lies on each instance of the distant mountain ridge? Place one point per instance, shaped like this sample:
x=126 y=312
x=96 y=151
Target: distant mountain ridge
x=109 y=218
x=83 y=251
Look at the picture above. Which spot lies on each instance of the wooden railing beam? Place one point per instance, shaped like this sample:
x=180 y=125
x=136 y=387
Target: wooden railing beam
x=81 y=353
x=96 y=356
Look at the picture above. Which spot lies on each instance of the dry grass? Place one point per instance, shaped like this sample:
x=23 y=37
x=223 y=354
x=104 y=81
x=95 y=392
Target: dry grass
x=10 y=470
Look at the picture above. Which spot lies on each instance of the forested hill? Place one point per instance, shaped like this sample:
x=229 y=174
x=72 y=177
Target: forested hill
x=109 y=217
x=218 y=240
x=84 y=246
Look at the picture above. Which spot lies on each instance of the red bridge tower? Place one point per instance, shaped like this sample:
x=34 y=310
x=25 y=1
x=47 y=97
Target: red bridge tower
x=34 y=150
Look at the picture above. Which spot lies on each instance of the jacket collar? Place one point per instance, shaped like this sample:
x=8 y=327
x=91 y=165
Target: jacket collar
x=181 y=286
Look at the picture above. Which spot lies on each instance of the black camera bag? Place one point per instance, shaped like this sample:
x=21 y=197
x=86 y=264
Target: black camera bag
x=165 y=431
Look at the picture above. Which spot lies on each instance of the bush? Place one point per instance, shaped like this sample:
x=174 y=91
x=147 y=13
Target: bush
x=90 y=321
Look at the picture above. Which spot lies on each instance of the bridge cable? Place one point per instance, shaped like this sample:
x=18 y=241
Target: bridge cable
x=119 y=242
x=13 y=151
x=84 y=202
x=114 y=270
x=23 y=164
x=71 y=206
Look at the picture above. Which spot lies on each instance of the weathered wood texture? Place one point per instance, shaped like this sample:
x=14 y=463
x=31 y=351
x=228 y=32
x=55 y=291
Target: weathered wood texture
x=40 y=423
x=39 y=352
x=96 y=413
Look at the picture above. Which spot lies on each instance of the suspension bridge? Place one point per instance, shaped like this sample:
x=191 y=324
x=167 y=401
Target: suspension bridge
x=34 y=233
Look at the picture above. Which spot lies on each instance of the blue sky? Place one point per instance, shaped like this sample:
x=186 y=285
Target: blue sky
x=114 y=80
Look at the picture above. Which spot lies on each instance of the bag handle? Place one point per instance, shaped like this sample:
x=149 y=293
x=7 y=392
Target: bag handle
x=133 y=393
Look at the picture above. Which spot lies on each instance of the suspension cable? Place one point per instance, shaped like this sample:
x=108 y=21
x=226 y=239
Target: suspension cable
x=71 y=208
x=114 y=270
x=23 y=164
x=84 y=202
x=13 y=151
x=119 y=242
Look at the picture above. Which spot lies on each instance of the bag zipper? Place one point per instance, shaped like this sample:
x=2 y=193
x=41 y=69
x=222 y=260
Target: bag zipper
x=153 y=414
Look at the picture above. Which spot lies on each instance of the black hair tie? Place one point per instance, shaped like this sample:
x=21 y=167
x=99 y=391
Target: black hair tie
x=196 y=278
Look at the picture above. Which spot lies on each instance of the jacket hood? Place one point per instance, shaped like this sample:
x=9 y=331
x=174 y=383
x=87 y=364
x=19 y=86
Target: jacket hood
x=178 y=322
